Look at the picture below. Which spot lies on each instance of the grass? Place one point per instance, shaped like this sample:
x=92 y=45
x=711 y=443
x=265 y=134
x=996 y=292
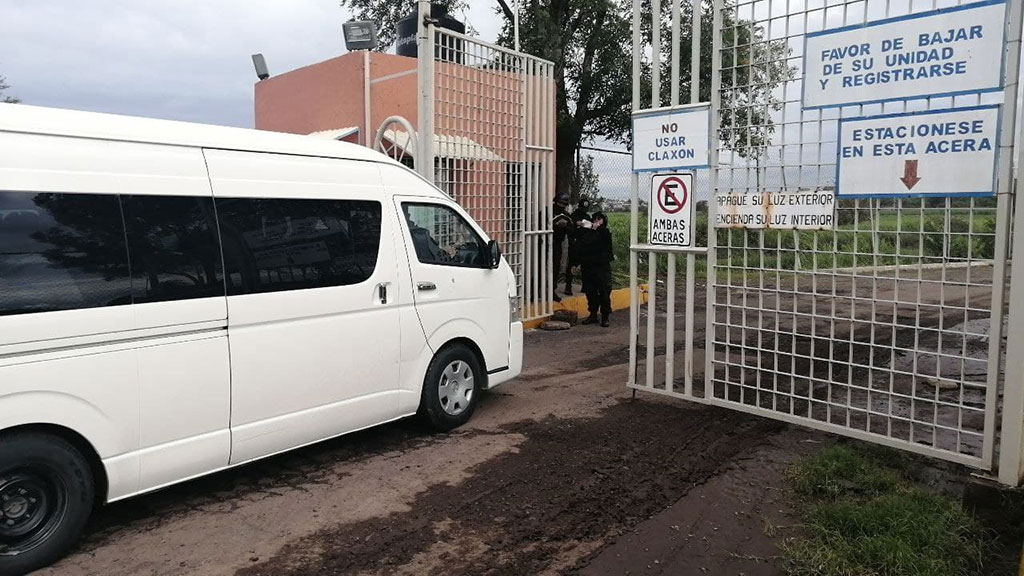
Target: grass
x=864 y=515
x=618 y=223
x=863 y=238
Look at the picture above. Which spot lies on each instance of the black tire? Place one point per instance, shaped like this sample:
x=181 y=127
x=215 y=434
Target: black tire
x=435 y=410
x=46 y=496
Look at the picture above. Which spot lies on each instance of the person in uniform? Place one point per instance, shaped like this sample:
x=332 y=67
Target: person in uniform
x=594 y=247
x=562 y=225
x=579 y=215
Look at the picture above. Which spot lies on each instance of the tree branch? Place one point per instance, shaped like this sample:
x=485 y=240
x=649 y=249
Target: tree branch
x=508 y=11
x=587 y=72
x=606 y=108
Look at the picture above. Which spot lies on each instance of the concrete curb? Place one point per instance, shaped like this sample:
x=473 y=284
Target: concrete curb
x=578 y=304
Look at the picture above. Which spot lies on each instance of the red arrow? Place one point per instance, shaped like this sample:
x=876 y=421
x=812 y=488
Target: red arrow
x=910 y=178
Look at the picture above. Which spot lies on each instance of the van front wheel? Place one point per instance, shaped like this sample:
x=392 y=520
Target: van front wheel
x=46 y=496
x=451 y=388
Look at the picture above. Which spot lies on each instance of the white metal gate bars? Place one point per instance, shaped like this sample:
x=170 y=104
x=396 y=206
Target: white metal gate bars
x=889 y=325
x=491 y=113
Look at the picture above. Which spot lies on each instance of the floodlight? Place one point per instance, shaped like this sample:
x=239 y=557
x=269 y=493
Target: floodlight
x=261 y=66
x=360 y=35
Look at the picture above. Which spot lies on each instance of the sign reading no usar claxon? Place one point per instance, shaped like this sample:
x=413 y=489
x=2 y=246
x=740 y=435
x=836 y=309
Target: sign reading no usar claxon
x=674 y=138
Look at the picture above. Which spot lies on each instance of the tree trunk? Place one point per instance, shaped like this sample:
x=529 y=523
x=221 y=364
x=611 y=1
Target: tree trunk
x=566 y=143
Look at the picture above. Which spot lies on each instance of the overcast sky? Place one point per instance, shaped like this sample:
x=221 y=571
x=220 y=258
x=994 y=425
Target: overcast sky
x=177 y=59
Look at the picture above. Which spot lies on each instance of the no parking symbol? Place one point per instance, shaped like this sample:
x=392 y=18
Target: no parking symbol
x=671 y=210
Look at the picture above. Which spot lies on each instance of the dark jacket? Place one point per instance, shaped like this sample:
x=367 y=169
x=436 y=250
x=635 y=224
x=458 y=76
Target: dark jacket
x=578 y=215
x=594 y=247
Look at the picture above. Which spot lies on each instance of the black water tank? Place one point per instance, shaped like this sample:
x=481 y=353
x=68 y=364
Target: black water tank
x=446 y=48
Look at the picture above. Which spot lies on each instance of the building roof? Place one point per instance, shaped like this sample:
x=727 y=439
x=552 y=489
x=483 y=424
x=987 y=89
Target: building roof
x=445 y=146
x=55 y=121
x=335 y=134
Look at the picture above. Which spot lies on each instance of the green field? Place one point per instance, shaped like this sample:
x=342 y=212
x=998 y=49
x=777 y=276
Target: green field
x=864 y=238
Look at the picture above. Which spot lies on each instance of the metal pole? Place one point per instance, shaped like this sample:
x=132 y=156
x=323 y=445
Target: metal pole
x=530 y=297
x=652 y=257
x=670 y=280
x=634 y=290
x=695 y=53
x=366 y=99
x=515 y=24
x=425 y=81
x=716 y=121
x=1011 y=447
x=674 y=89
x=691 y=262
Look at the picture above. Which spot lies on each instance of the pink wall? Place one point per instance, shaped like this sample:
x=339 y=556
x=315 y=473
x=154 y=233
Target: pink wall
x=483 y=104
x=316 y=97
x=329 y=95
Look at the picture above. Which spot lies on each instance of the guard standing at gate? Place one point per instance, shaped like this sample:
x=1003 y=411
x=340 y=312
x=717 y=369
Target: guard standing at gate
x=596 y=255
x=578 y=216
x=562 y=224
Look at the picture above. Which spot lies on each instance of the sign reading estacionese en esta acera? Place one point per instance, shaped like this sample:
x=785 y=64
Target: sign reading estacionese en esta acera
x=948 y=51
x=931 y=153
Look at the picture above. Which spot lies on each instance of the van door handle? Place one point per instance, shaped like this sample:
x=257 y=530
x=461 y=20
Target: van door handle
x=382 y=292
x=425 y=286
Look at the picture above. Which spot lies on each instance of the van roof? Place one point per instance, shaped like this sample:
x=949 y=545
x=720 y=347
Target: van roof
x=60 y=122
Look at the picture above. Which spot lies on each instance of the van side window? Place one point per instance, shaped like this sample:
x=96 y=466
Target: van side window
x=61 y=252
x=273 y=244
x=173 y=247
x=441 y=236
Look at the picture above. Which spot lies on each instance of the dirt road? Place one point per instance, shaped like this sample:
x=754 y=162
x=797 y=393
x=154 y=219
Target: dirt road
x=558 y=471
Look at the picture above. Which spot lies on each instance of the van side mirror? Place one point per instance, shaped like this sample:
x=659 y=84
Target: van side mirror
x=494 y=253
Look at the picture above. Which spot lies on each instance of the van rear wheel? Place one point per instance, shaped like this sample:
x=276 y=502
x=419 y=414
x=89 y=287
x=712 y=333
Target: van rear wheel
x=46 y=496
x=451 y=388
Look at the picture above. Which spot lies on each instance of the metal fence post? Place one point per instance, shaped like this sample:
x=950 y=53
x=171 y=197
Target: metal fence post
x=425 y=83
x=634 y=210
x=652 y=257
x=1011 y=446
x=670 y=276
x=710 y=271
x=691 y=259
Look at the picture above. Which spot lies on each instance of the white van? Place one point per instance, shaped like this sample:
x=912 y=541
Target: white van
x=177 y=299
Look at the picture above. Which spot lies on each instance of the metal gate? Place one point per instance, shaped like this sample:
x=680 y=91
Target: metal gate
x=491 y=114
x=890 y=326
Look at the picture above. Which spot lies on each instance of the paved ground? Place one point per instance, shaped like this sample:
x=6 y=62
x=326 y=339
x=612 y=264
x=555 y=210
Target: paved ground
x=559 y=471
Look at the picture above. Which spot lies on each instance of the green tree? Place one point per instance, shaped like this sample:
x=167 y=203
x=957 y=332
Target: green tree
x=588 y=183
x=590 y=44
x=3 y=97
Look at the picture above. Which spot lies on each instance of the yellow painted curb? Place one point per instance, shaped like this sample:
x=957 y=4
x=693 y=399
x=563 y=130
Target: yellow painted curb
x=578 y=304
x=1022 y=560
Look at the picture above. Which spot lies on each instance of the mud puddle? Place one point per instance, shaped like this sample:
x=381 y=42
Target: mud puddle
x=547 y=507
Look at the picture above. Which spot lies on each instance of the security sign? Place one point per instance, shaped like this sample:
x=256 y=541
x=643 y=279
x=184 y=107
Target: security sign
x=671 y=210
